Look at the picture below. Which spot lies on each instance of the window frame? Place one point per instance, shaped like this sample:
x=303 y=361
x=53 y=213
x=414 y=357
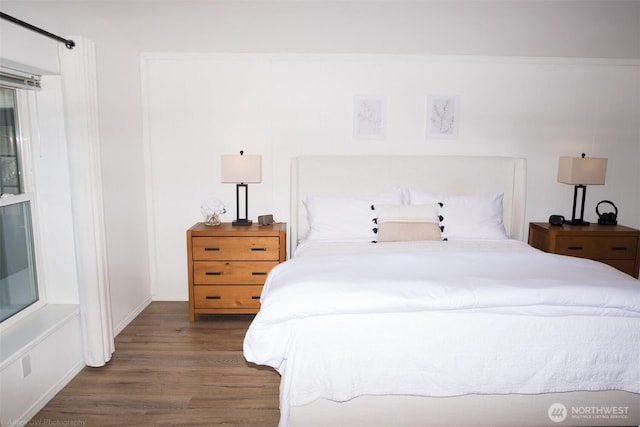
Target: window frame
x=26 y=129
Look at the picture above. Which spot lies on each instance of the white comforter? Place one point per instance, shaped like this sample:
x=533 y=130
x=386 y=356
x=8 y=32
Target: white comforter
x=444 y=319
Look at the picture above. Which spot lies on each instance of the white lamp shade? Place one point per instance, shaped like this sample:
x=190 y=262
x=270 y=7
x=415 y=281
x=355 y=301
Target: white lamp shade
x=245 y=169
x=582 y=170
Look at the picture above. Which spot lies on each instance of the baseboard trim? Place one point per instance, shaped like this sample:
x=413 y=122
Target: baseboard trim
x=120 y=327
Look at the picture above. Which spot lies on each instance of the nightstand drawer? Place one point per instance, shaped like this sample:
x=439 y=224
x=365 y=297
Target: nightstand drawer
x=606 y=247
x=232 y=248
x=241 y=297
x=231 y=272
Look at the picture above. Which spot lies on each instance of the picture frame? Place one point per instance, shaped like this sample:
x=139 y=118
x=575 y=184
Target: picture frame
x=369 y=117
x=442 y=116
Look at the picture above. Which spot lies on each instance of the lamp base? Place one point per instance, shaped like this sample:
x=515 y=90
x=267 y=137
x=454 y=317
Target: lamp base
x=575 y=220
x=242 y=221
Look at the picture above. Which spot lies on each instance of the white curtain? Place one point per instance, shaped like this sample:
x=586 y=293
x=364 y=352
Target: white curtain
x=80 y=100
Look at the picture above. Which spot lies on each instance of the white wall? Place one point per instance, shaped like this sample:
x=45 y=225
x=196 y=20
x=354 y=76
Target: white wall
x=18 y=46
x=286 y=105
x=124 y=30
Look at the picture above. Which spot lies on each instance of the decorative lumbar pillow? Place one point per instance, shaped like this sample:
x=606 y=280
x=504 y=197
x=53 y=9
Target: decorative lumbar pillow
x=397 y=223
x=345 y=218
x=408 y=231
x=473 y=217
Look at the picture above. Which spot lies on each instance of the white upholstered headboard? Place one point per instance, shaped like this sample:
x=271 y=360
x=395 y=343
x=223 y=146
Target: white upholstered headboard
x=368 y=175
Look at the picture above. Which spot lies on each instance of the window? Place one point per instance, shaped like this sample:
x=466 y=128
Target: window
x=18 y=285
x=10 y=176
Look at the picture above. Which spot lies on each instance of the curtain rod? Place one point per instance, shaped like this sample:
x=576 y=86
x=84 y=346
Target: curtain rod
x=68 y=43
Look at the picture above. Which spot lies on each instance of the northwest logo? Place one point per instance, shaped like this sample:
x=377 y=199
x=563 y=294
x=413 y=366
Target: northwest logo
x=557 y=412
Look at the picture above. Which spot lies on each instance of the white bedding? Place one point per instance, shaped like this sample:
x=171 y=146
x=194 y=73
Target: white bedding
x=444 y=319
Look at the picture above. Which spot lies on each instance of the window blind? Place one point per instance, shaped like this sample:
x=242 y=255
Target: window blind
x=19 y=79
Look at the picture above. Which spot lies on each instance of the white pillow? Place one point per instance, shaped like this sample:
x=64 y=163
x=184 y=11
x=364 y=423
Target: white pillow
x=416 y=197
x=345 y=218
x=472 y=217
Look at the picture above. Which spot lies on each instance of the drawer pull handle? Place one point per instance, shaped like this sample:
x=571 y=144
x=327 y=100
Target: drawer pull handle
x=213 y=297
x=212 y=249
x=258 y=273
x=258 y=249
x=619 y=248
x=255 y=297
x=575 y=248
x=213 y=273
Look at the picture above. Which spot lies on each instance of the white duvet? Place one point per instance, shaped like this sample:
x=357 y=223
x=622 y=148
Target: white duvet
x=341 y=320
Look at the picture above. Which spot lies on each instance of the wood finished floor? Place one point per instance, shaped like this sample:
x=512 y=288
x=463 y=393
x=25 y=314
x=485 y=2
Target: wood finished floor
x=167 y=371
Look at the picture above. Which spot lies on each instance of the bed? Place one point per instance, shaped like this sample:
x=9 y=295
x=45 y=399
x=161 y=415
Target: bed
x=412 y=300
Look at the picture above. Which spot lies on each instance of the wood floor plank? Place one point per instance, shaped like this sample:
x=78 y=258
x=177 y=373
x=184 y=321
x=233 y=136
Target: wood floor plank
x=167 y=371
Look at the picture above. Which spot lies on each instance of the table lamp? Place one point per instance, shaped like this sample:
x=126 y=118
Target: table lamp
x=581 y=171
x=241 y=170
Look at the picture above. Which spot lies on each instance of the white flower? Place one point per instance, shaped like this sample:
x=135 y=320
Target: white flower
x=212 y=207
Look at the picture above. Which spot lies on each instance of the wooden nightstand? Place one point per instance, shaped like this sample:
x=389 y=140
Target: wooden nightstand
x=615 y=245
x=228 y=266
